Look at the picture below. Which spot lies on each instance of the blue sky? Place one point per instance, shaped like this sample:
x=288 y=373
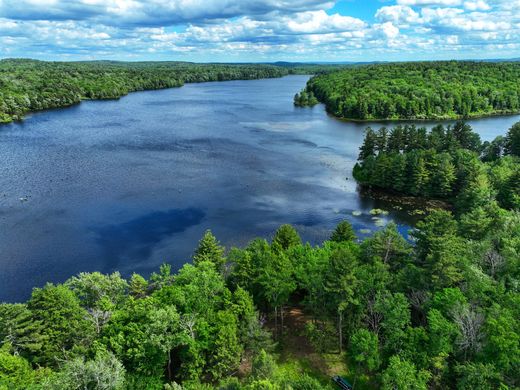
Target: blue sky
x=260 y=30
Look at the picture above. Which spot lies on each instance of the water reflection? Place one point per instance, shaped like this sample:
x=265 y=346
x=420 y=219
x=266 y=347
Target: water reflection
x=132 y=183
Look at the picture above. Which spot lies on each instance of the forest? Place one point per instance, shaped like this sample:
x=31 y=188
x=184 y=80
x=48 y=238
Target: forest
x=30 y=85
x=445 y=163
x=420 y=90
x=439 y=309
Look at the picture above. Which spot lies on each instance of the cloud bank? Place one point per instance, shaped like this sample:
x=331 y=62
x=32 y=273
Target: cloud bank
x=259 y=30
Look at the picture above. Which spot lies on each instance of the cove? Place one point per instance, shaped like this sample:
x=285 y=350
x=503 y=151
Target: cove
x=129 y=184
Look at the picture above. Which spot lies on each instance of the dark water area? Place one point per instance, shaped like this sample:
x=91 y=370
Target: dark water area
x=130 y=184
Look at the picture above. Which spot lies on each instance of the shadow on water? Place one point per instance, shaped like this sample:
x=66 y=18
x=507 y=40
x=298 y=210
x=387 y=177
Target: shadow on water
x=134 y=240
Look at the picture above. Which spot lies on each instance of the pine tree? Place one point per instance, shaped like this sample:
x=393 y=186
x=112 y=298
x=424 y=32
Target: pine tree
x=420 y=177
x=444 y=176
x=209 y=249
x=369 y=145
x=20 y=330
x=513 y=140
x=343 y=232
x=285 y=237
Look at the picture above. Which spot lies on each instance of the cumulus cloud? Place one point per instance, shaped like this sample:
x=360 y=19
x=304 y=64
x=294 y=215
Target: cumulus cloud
x=478 y=5
x=151 y=12
x=387 y=30
x=321 y=22
x=398 y=14
x=446 y=3
x=227 y=30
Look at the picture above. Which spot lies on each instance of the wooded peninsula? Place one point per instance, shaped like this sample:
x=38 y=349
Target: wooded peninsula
x=419 y=90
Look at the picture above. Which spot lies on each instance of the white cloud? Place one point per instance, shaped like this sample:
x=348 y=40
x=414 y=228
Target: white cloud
x=321 y=22
x=398 y=14
x=444 y=3
x=477 y=5
x=387 y=30
x=151 y=12
x=225 y=30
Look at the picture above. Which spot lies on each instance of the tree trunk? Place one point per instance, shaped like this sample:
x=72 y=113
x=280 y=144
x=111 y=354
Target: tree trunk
x=340 y=330
x=170 y=365
x=281 y=317
x=276 y=321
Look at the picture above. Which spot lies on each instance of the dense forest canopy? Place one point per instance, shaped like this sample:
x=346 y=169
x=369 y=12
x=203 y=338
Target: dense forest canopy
x=420 y=90
x=445 y=163
x=438 y=311
x=28 y=85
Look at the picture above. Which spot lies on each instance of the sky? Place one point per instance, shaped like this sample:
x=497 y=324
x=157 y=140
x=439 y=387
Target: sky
x=260 y=30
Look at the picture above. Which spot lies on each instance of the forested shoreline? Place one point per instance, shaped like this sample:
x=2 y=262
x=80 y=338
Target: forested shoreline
x=30 y=85
x=437 y=309
x=449 y=163
x=388 y=91
x=440 y=310
x=420 y=90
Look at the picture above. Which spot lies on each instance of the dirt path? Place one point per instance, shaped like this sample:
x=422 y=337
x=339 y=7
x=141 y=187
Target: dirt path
x=296 y=346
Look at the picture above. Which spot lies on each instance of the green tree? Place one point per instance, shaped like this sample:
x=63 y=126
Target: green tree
x=138 y=287
x=209 y=249
x=105 y=372
x=20 y=330
x=226 y=349
x=15 y=371
x=443 y=176
x=395 y=311
x=286 y=237
x=482 y=376
x=502 y=340
x=340 y=285
x=95 y=288
x=368 y=149
x=277 y=285
x=343 y=232
x=165 y=333
x=512 y=141
x=364 y=348
x=401 y=374
x=64 y=322
x=264 y=366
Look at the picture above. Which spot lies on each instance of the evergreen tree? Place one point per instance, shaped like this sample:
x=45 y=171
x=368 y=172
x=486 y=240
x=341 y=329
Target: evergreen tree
x=343 y=232
x=20 y=330
x=64 y=322
x=512 y=142
x=286 y=237
x=209 y=249
x=368 y=148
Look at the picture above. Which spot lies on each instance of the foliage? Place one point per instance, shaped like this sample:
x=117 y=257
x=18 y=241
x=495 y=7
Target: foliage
x=343 y=232
x=439 y=311
x=419 y=90
x=446 y=163
x=29 y=85
x=305 y=98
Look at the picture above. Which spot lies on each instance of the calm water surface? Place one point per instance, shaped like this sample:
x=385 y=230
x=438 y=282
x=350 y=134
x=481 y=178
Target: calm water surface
x=127 y=185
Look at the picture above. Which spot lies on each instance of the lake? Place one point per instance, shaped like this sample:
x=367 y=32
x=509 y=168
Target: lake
x=130 y=184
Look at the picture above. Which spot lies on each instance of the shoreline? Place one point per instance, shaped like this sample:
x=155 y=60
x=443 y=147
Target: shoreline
x=443 y=119
x=28 y=113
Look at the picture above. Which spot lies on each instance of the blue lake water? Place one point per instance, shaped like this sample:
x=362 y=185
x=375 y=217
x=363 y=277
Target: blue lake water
x=129 y=184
